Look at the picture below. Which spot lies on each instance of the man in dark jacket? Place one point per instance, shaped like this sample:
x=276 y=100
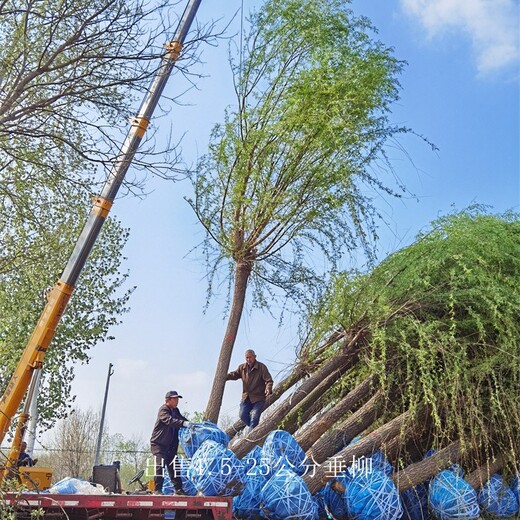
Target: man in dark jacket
x=165 y=442
x=257 y=385
x=24 y=459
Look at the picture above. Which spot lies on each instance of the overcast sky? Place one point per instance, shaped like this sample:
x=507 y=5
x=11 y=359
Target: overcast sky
x=460 y=90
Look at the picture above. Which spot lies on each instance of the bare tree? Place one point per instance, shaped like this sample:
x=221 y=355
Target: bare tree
x=73 y=445
x=71 y=75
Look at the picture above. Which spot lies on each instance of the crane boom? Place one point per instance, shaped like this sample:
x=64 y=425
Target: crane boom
x=34 y=352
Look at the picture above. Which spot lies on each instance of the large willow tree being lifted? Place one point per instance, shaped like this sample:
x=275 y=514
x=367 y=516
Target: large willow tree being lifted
x=433 y=331
x=444 y=329
x=288 y=172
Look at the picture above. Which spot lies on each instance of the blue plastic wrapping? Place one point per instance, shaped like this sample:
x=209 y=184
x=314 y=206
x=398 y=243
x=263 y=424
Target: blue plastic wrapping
x=67 y=486
x=497 y=498
x=192 y=438
x=285 y=496
x=253 y=459
x=280 y=450
x=76 y=486
x=335 y=503
x=216 y=471
x=372 y=495
x=247 y=504
x=319 y=498
x=452 y=498
x=181 y=468
x=379 y=461
x=415 y=503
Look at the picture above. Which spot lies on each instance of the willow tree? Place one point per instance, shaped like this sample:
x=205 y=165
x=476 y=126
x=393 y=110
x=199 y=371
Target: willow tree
x=442 y=335
x=289 y=174
x=436 y=335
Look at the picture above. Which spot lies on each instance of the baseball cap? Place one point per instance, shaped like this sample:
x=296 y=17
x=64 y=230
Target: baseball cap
x=172 y=393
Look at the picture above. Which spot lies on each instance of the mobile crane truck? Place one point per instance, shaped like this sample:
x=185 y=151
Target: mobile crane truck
x=96 y=506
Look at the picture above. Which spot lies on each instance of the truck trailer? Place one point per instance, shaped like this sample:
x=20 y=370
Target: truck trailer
x=139 y=507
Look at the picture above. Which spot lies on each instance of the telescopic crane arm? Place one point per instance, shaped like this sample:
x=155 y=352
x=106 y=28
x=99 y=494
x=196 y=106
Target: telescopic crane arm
x=60 y=294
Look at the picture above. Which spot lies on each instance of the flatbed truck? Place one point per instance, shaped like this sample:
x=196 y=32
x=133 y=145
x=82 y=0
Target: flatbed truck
x=25 y=506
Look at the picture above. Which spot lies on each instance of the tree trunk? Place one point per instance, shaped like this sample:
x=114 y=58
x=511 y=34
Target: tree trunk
x=311 y=434
x=347 y=456
x=242 y=273
x=298 y=421
x=342 y=360
x=410 y=442
x=292 y=419
x=481 y=475
x=336 y=439
x=318 y=410
x=427 y=468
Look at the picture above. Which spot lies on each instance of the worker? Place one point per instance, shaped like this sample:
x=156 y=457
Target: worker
x=165 y=442
x=24 y=459
x=257 y=384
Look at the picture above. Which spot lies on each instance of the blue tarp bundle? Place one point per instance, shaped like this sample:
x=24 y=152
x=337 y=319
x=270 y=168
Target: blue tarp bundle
x=280 y=450
x=415 y=503
x=452 y=498
x=320 y=504
x=181 y=467
x=285 y=496
x=334 y=502
x=72 y=486
x=371 y=495
x=215 y=470
x=192 y=438
x=247 y=504
x=497 y=498
x=379 y=461
x=253 y=459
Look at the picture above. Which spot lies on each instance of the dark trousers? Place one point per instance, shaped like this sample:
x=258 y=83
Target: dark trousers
x=250 y=412
x=164 y=458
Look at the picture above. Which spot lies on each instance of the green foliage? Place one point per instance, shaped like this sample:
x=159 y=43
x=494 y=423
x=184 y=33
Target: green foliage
x=133 y=454
x=287 y=176
x=195 y=417
x=34 y=250
x=440 y=322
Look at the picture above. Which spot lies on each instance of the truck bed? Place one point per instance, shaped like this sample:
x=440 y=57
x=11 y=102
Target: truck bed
x=139 y=507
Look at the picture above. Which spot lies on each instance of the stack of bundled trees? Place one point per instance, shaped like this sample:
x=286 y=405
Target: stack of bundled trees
x=421 y=353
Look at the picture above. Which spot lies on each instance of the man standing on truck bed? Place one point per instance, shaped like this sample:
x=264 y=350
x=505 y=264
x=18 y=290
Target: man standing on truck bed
x=165 y=442
x=257 y=384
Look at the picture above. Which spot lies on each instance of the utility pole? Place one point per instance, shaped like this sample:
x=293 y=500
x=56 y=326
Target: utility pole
x=102 y=421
